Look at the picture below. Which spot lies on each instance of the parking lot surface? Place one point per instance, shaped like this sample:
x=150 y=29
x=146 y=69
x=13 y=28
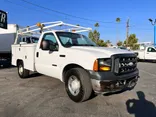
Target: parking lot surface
x=42 y=96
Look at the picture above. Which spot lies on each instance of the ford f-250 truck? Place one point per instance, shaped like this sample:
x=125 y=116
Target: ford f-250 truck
x=73 y=58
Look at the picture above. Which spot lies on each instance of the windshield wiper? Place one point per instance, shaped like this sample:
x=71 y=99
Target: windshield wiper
x=91 y=45
x=70 y=45
x=79 y=45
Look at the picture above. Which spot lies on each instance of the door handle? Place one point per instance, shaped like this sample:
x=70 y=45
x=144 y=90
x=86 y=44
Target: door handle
x=147 y=53
x=37 y=54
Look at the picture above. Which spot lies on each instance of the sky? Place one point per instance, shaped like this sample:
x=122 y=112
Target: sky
x=104 y=12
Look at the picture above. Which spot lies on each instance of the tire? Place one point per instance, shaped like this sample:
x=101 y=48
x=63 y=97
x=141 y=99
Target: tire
x=83 y=78
x=138 y=60
x=22 y=72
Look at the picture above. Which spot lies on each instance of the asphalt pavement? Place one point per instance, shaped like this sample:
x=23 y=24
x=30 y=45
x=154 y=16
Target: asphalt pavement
x=42 y=96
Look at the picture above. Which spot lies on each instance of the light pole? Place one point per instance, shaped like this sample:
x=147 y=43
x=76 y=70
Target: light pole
x=154 y=24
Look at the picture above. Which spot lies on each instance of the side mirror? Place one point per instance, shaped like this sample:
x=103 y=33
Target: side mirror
x=48 y=45
x=45 y=45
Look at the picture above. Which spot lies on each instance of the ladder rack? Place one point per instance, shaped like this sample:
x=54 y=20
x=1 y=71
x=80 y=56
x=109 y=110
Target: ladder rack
x=52 y=26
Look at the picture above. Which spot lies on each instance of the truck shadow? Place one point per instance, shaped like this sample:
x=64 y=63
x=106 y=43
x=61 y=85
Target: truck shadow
x=117 y=92
x=114 y=93
x=147 y=61
x=33 y=75
x=141 y=107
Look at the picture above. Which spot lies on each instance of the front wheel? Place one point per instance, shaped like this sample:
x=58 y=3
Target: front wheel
x=78 y=85
x=22 y=72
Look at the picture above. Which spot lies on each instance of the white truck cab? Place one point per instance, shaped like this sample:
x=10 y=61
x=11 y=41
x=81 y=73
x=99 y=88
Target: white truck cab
x=146 y=53
x=75 y=60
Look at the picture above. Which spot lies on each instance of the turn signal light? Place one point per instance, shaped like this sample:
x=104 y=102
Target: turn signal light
x=95 y=66
x=104 y=68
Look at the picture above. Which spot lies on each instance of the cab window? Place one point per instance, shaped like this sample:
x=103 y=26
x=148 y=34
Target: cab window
x=150 y=49
x=28 y=40
x=49 y=37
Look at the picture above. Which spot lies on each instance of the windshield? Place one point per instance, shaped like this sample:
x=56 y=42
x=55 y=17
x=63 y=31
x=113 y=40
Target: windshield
x=69 y=39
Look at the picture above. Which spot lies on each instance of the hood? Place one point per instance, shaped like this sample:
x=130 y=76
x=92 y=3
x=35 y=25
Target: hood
x=100 y=51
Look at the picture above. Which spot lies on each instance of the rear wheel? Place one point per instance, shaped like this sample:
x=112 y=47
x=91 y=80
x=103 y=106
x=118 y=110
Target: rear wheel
x=23 y=73
x=78 y=85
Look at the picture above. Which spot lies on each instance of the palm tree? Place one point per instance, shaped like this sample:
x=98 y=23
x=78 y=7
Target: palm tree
x=96 y=24
x=118 y=20
x=108 y=41
x=96 y=33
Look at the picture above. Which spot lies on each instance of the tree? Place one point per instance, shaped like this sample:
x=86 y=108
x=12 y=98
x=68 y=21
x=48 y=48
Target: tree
x=119 y=43
x=132 y=42
x=102 y=43
x=96 y=24
x=135 y=46
x=90 y=35
x=95 y=35
x=118 y=20
x=117 y=29
x=108 y=42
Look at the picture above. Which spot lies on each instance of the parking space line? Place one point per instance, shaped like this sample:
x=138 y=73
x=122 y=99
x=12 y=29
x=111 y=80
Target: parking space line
x=148 y=73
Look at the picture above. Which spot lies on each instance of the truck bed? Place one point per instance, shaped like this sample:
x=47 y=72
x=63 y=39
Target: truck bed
x=25 y=52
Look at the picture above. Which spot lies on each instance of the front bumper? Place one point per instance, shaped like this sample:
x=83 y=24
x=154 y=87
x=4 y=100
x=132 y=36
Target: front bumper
x=105 y=82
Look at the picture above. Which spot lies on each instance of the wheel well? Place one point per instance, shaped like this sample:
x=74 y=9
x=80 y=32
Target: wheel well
x=68 y=67
x=18 y=61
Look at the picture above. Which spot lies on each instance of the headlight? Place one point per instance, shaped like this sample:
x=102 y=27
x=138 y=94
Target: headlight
x=102 y=64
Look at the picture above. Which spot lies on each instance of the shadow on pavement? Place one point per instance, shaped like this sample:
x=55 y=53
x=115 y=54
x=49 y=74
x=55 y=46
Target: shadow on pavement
x=147 y=61
x=34 y=75
x=117 y=92
x=141 y=107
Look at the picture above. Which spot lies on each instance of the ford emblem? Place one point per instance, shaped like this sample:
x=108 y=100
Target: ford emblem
x=130 y=63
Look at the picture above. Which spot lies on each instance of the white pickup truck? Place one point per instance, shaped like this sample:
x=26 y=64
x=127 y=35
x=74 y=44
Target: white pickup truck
x=75 y=60
x=148 y=53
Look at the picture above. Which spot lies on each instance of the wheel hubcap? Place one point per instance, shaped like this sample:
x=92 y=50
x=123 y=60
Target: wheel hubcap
x=20 y=70
x=74 y=85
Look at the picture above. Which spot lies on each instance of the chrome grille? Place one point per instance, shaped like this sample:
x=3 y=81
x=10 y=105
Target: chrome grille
x=125 y=64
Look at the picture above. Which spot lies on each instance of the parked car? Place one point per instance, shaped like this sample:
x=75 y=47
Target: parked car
x=75 y=60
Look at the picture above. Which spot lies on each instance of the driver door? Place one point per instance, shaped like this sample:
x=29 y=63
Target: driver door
x=46 y=60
